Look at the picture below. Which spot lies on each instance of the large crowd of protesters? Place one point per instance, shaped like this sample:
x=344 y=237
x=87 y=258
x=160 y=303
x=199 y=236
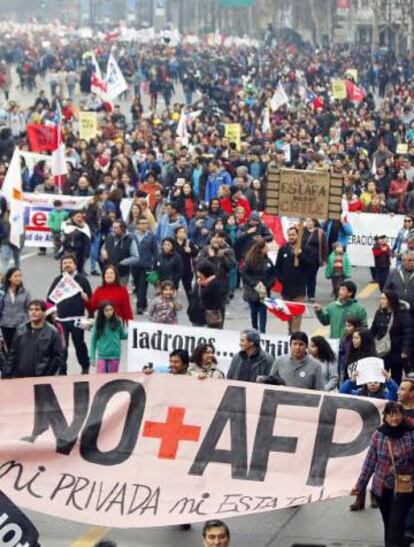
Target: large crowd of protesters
x=196 y=221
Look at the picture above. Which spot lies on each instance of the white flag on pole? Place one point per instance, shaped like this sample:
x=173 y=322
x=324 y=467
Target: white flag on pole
x=13 y=192
x=266 y=128
x=114 y=80
x=279 y=97
x=182 y=132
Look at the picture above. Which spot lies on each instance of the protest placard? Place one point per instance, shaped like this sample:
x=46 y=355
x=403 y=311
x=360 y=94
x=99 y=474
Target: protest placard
x=339 y=90
x=88 y=125
x=132 y=450
x=370 y=369
x=232 y=132
x=66 y=288
x=297 y=193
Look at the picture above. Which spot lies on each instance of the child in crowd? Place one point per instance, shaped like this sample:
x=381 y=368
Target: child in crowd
x=56 y=216
x=107 y=334
x=382 y=259
x=164 y=307
x=338 y=268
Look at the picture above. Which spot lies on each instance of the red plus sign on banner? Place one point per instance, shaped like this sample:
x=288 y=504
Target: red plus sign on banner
x=171 y=433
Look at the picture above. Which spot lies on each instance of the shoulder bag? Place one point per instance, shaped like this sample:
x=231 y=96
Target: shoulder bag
x=383 y=345
x=403 y=483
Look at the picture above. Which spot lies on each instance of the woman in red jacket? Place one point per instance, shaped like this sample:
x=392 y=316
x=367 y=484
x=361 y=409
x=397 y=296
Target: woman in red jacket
x=112 y=291
x=232 y=197
x=397 y=192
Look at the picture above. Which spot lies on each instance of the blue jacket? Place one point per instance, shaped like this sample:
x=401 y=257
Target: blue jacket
x=166 y=228
x=194 y=231
x=343 y=235
x=147 y=250
x=214 y=181
x=390 y=391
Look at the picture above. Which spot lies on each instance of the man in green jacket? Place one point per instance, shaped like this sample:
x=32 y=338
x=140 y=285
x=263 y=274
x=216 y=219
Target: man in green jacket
x=335 y=313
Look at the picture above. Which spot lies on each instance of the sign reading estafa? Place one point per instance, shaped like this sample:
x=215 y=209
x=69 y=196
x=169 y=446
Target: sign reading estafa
x=297 y=193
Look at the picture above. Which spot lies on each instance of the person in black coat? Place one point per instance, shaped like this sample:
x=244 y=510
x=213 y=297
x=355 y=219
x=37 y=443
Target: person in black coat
x=210 y=295
x=293 y=277
x=76 y=238
x=393 y=317
x=187 y=251
x=72 y=307
x=170 y=265
x=314 y=242
x=258 y=274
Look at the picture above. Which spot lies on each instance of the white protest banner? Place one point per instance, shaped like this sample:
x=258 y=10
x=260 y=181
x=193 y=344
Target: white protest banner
x=131 y=450
x=365 y=226
x=37 y=208
x=66 y=288
x=370 y=369
x=152 y=343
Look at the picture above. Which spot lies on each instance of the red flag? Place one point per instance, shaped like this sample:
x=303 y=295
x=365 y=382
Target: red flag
x=284 y=310
x=354 y=92
x=42 y=138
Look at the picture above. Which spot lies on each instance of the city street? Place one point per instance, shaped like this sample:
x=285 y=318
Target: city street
x=328 y=523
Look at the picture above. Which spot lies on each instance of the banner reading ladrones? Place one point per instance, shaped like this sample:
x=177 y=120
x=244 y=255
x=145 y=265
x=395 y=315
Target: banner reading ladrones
x=37 y=208
x=365 y=226
x=152 y=343
x=130 y=450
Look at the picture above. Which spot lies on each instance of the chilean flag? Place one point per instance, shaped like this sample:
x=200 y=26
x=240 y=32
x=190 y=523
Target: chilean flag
x=284 y=310
x=355 y=93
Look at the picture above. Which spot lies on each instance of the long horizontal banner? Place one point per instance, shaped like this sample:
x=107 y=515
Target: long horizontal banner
x=151 y=343
x=37 y=208
x=365 y=226
x=130 y=450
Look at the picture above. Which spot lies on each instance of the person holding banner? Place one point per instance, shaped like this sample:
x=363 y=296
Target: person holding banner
x=216 y=533
x=204 y=363
x=299 y=369
x=251 y=364
x=292 y=266
x=390 y=460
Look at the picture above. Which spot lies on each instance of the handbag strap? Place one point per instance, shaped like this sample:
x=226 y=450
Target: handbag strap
x=392 y=457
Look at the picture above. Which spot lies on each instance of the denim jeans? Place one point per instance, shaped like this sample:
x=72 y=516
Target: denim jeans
x=7 y=252
x=258 y=316
x=95 y=248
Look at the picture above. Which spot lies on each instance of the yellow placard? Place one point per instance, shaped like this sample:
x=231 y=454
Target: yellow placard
x=339 y=90
x=88 y=125
x=402 y=148
x=233 y=133
x=353 y=73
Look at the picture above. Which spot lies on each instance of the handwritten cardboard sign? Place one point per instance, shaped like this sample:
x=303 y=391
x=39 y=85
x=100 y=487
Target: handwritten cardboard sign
x=298 y=193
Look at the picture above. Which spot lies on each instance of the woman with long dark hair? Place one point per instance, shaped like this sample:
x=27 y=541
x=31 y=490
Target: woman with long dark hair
x=320 y=349
x=204 y=363
x=15 y=305
x=392 y=329
x=106 y=336
x=258 y=274
x=363 y=345
x=111 y=290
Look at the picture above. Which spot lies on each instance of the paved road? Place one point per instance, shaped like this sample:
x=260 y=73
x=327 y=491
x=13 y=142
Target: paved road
x=328 y=523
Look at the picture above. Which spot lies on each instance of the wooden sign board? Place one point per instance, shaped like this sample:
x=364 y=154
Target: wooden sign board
x=297 y=193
